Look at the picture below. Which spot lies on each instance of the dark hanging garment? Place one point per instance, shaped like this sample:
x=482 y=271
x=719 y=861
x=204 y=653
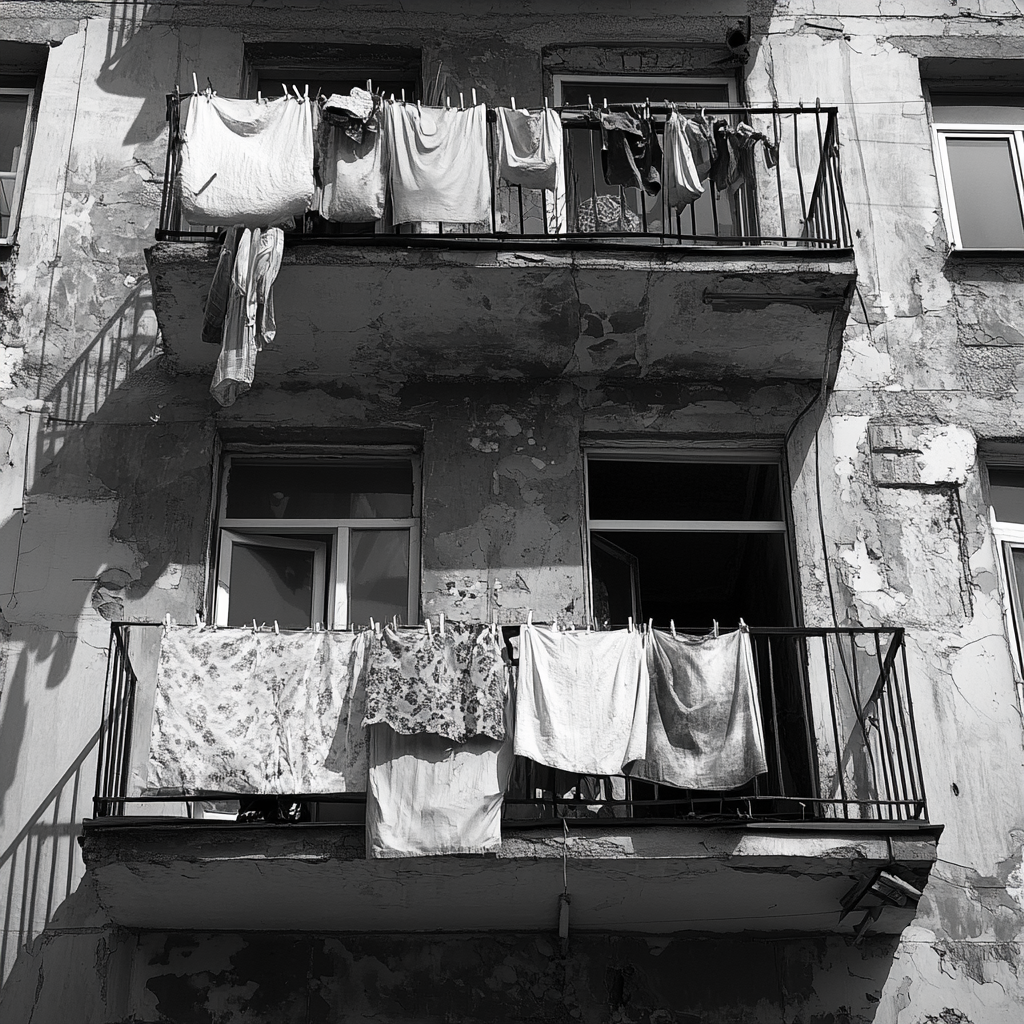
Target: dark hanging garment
x=720 y=164
x=630 y=152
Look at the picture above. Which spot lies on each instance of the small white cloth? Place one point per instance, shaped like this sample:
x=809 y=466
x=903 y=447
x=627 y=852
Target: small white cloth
x=581 y=702
x=681 y=173
x=439 y=168
x=429 y=796
x=244 y=712
x=704 y=727
x=354 y=176
x=245 y=161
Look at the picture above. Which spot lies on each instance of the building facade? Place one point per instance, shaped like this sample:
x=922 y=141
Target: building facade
x=796 y=405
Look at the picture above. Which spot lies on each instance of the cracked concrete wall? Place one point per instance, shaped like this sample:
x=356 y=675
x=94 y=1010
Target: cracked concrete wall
x=106 y=453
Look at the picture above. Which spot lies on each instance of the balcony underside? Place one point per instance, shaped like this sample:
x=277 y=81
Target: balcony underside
x=641 y=879
x=439 y=311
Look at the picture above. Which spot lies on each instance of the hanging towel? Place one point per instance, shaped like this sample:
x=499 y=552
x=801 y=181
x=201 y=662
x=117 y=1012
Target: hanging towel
x=243 y=712
x=249 y=320
x=681 y=174
x=581 y=702
x=245 y=161
x=438 y=164
x=704 y=727
x=427 y=795
x=450 y=685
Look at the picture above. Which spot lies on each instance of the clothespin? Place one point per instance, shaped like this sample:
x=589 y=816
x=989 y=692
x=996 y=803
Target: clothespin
x=672 y=624
x=209 y=85
x=195 y=84
x=403 y=95
x=298 y=95
x=440 y=623
x=369 y=85
x=743 y=625
x=430 y=629
x=277 y=628
x=629 y=623
x=545 y=103
x=285 y=88
x=447 y=103
x=167 y=621
x=259 y=96
x=714 y=628
x=419 y=107
x=606 y=103
x=529 y=617
x=372 y=626
x=306 y=94
x=462 y=102
x=472 y=93
x=394 y=623
x=393 y=97
x=590 y=102
x=255 y=628
x=650 y=625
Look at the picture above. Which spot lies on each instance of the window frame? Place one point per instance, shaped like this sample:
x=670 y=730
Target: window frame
x=1008 y=536
x=335 y=613
x=744 y=456
x=942 y=131
x=677 y=79
x=21 y=170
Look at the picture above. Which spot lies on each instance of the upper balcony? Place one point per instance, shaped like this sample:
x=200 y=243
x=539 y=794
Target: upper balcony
x=833 y=837
x=750 y=281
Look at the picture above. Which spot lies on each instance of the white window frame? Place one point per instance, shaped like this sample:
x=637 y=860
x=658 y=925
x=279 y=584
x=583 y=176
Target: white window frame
x=751 y=456
x=18 y=175
x=334 y=578
x=1009 y=536
x=941 y=134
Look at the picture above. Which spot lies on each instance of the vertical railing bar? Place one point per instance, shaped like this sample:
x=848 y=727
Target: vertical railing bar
x=111 y=754
x=844 y=213
x=835 y=727
x=830 y=179
x=920 y=793
x=593 y=181
x=120 y=753
x=888 y=695
x=858 y=710
x=778 y=177
x=522 y=216
x=812 y=765
x=775 y=717
x=129 y=728
x=492 y=130
x=884 y=737
x=713 y=193
x=820 y=191
x=167 y=161
x=103 y=730
x=799 y=171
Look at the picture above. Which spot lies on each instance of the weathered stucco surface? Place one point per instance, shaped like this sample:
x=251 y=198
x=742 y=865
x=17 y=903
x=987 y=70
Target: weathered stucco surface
x=108 y=453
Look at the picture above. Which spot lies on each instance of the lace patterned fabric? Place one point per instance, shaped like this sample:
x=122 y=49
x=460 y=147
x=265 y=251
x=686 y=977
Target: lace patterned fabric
x=452 y=685
x=243 y=712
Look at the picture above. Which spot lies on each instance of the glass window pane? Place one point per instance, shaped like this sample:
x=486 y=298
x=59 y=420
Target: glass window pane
x=270 y=490
x=977 y=107
x=269 y=584
x=12 y=130
x=1006 y=489
x=683 y=490
x=986 y=193
x=6 y=201
x=378 y=575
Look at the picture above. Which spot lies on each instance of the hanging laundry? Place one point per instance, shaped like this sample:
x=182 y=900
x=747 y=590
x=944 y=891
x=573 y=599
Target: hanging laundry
x=704 y=726
x=742 y=140
x=681 y=173
x=438 y=164
x=353 y=175
x=630 y=151
x=249 y=322
x=531 y=154
x=245 y=161
x=719 y=171
x=428 y=795
x=581 y=702
x=243 y=712
x=356 y=115
x=220 y=289
x=450 y=685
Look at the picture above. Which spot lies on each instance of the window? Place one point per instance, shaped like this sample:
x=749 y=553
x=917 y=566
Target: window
x=1006 y=492
x=711 y=215
x=979 y=138
x=690 y=539
x=16 y=105
x=306 y=542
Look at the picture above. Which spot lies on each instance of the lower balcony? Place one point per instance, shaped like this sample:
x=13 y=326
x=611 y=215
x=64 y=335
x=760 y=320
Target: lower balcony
x=834 y=837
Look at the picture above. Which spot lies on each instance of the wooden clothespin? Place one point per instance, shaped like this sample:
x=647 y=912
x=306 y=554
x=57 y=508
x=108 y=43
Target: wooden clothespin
x=447 y=103
x=285 y=88
x=419 y=106
x=545 y=103
x=650 y=625
x=430 y=628
x=394 y=623
x=393 y=97
x=472 y=93
x=369 y=85
x=298 y=95
x=403 y=95
x=606 y=103
x=462 y=102
x=590 y=102
x=373 y=627
x=306 y=93
x=259 y=96
x=629 y=623
x=714 y=628
x=277 y=628
x=255 y=628
x=440 y=623
x=195 y=84
x=672 y=625
x=743 y=625
x=529 y=616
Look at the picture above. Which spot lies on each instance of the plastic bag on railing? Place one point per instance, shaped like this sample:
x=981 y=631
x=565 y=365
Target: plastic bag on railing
x=247 y=162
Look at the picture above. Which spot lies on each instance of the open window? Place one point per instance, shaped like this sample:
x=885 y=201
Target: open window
x=979 y=144
x=333 y=542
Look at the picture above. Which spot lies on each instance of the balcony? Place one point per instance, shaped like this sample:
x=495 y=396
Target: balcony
x=752 y=283
x=834 y=837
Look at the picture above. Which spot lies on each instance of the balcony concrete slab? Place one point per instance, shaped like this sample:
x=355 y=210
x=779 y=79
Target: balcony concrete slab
x=401 y=314
x=647 y=879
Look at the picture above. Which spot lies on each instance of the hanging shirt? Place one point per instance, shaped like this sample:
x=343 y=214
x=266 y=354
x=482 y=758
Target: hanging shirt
x=246 y=162
x=439 y=166
x=428 y=795
x=680 y=174
x=450 y=684
x=581 y=702
x=704 y=727
x=630 y=152
x=249 y=319
x=243 y=712
x=720 y=169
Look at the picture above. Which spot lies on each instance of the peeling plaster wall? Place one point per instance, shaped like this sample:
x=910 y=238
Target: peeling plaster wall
x=107 y=460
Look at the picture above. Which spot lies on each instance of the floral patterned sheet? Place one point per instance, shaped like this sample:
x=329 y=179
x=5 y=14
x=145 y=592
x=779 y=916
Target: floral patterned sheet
x=451 y=685
x=244 y=712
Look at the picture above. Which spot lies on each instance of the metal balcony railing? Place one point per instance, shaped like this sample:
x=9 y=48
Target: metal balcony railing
x=838 y=722
x=796 y=203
